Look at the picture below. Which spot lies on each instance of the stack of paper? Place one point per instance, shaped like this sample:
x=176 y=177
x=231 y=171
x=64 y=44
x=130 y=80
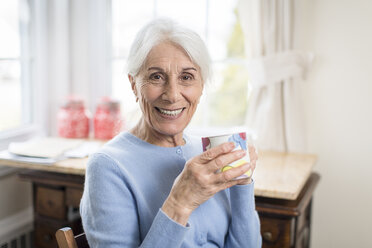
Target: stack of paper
x=49 y=150
x=44 y=147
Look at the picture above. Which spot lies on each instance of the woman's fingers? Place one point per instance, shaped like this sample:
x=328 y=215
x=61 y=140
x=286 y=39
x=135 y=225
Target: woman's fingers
x=234 y=182
x=252 y=152
x=225 y=159
x=214 y=152
x=254 y=156
x=199 y=180
x=231 y=174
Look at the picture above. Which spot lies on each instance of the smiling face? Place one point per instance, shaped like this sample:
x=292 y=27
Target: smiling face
x=168 y=88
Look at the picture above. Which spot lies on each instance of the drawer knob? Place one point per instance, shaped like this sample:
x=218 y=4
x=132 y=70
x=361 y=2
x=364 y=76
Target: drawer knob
x=267 y=236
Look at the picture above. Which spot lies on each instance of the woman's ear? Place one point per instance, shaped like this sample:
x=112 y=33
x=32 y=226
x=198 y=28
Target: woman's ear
x=133 y=86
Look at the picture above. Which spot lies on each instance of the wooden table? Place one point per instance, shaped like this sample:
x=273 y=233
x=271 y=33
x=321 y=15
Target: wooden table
x=284 y=185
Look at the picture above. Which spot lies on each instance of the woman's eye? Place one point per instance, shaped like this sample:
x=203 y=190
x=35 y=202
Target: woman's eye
x=155 y=77
x=187 y=77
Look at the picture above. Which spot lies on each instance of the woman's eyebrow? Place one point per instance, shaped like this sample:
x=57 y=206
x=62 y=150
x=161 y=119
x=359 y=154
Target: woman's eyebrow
x=189 y=68
x=161 y=69
x=155 y=68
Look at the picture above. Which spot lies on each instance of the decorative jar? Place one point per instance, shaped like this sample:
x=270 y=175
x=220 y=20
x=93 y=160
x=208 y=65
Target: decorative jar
x=108 y=121
x=73 y=119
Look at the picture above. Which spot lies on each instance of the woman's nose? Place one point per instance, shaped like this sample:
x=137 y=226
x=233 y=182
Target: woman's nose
x=171 y=91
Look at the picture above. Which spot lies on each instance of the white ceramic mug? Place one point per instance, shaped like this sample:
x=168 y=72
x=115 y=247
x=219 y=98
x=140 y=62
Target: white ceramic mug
x=240 y=140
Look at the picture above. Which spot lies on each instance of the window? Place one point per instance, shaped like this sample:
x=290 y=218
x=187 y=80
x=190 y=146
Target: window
x=224 y=101
x=14 y=65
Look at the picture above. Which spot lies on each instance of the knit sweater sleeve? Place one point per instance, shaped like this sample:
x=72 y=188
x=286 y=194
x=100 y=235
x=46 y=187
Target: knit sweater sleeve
x=244 y=229
x=109 y=211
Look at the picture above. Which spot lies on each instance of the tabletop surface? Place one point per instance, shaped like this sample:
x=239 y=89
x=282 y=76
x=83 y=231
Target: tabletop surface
x=282 y=175
x=277 y=175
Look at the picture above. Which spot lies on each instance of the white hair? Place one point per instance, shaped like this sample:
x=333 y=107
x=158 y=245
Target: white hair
x=162 y=30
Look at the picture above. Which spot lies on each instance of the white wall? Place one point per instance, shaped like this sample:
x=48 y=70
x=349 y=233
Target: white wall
x=15 y=196
x=338 y=99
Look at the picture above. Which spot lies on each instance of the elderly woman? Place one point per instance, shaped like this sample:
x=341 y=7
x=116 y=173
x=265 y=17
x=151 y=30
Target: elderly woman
x=153 y=186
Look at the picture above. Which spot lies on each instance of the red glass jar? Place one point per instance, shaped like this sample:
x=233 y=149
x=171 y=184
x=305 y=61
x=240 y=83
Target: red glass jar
x=108 y=121
x=73 y=119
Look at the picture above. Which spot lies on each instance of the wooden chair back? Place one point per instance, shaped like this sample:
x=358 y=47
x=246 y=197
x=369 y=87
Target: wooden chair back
x=66 y=239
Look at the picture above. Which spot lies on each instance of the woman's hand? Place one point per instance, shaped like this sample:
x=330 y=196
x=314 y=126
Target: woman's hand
x=199 y=181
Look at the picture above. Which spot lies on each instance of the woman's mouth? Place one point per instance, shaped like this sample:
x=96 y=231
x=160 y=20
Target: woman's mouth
x=171 y=113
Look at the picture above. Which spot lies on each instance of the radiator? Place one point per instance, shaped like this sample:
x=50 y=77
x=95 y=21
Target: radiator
x=21 y=241
x=16 y=230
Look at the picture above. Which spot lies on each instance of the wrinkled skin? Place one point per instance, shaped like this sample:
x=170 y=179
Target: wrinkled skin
x=168 y=88
x=199 y=181
x=169 y=80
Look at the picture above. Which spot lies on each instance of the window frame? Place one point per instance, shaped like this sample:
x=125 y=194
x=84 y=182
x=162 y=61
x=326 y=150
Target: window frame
x=32 y=41
x=26 y=125
x=24 y=62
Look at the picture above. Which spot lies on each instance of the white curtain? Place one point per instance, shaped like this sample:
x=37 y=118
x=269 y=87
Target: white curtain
x=275 y=111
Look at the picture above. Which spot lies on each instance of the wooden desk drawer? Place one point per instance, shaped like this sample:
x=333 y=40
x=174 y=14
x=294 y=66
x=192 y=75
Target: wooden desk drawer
x=275 y=232
x=73 y=196
x=50 y=202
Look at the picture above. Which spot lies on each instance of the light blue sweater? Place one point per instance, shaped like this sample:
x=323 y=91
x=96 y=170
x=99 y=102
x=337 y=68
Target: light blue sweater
x=127 y=182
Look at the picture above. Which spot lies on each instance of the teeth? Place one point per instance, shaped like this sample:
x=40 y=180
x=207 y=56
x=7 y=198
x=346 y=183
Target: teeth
x=170 y=112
